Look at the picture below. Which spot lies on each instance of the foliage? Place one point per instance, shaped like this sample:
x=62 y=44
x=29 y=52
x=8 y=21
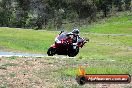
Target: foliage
x=38 y=13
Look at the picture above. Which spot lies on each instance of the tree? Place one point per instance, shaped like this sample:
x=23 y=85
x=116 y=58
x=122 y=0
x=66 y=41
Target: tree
x=5 y=12
x=39 y=13
x=105 y=6
x=22 y=12
x=127 y=4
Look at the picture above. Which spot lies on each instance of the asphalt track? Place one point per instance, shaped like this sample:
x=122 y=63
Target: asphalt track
x=10 y=54
x=16 y=54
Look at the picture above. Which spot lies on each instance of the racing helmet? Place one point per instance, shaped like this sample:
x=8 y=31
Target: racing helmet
x=75 y=31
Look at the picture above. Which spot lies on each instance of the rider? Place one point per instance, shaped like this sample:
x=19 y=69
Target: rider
x=74 y=35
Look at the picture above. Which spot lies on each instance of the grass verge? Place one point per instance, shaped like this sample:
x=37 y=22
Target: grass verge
x=121 y=24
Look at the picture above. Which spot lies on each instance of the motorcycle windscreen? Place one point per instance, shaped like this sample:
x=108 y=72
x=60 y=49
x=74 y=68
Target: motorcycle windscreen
x=61 y=36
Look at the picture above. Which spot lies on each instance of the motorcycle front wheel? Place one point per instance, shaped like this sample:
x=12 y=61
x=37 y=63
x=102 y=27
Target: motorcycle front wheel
x=73 y=52
x=51 y=51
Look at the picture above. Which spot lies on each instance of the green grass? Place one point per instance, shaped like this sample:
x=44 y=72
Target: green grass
x=121 y=24
x=112 y=49
x=104 y=47
x=107 y=48
x=99 y=70
x=104 y=55
x=98 y=67
x=26 y=40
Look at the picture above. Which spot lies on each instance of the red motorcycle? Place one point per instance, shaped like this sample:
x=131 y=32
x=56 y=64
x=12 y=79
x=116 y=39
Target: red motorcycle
x=64 y=46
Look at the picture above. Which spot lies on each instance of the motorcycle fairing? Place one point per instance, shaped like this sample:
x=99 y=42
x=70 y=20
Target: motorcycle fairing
x=53 y=46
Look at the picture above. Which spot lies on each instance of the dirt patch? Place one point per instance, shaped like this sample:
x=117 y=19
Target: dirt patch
x=40 y=73
x=25 y=73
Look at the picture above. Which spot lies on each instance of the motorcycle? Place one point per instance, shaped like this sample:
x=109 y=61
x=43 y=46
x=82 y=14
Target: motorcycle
x=64 y=46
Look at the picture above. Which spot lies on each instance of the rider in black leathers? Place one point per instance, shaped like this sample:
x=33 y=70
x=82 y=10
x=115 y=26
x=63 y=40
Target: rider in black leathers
x=75 y=36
